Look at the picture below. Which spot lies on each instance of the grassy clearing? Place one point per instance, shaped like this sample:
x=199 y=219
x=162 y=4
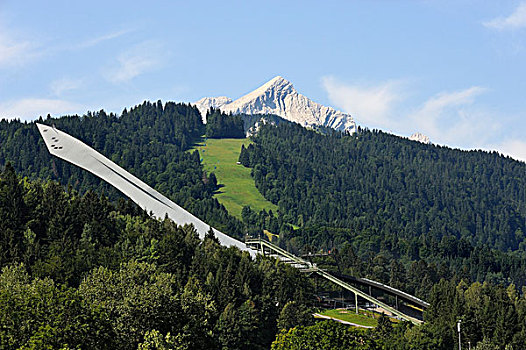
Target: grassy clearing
x=351 y=316
x=220 y=156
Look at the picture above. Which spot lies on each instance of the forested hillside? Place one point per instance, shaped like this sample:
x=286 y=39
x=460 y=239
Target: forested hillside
x=395 y=201
x=390 y=209
x=80 y=272
x=149 y=140
x=221 y=125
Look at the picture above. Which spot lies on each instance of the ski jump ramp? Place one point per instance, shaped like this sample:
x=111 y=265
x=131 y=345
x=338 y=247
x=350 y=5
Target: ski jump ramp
x=78 y=153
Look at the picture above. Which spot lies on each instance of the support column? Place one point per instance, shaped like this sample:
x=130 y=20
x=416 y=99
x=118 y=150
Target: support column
x=356 y=302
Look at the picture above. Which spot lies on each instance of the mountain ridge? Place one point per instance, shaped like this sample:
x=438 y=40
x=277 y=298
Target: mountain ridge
x=278 y=96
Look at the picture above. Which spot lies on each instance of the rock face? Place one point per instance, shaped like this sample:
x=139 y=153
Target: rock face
x=206 y=102
x=420 y=138
x=254 y=129
x=279 y=97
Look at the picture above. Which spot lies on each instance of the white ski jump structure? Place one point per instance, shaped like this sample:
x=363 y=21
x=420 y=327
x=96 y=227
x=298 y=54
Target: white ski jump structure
x=78 y=153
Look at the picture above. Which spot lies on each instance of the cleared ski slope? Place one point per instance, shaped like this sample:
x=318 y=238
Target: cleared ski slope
x=70 y=149
x=78 y=153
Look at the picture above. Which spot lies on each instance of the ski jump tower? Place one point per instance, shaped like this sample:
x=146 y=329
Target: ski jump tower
x=78 y=153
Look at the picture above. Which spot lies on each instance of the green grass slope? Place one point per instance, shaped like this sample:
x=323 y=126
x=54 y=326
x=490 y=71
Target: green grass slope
x=220 y=156
x=368 y=320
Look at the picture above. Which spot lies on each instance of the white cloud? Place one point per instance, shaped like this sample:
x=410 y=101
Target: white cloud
x=512 y=147
x=32 y=108
x=100 y=39
x=370 y=105
x=451 y=118
x=138 y=60
x=14 y=50
x=10 y=52
x=60 y=86
x=514 y=21
x=444 y=100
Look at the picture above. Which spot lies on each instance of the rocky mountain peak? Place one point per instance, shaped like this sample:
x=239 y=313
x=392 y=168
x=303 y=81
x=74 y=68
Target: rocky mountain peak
x=278 y=96
x=420 y=138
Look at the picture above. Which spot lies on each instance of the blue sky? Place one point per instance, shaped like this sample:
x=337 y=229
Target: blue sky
x=453 y=70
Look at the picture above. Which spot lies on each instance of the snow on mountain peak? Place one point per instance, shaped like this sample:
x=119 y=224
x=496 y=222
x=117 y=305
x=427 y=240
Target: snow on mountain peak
x=278 y=96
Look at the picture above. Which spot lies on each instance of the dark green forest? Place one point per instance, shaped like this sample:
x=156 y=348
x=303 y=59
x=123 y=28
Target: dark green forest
x=493 y=318
x=81 y=272
x=393 y=206
x=150 y=141
x=221 y=125
x=84 y=268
